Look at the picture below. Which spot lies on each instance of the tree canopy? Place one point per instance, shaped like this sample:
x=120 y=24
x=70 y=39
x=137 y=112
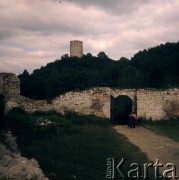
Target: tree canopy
x=157 y=67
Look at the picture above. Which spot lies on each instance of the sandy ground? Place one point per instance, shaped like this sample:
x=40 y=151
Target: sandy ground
x=153 y=145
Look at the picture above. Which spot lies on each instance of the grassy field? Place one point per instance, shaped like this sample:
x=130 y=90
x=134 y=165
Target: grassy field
x=169 y=128
x=71 y=146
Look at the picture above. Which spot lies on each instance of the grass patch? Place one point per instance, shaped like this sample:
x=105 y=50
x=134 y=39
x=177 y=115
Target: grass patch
x=167 y=128
x=72 y=146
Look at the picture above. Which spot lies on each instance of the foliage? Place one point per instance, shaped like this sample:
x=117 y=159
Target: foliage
x=78 y=151
x=159 y=65
x=36 y=126
x=156 y=67
x=2 y=107
x=102 y=55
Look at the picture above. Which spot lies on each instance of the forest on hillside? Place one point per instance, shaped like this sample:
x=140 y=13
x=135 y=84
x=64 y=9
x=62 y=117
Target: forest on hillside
x=156 y=67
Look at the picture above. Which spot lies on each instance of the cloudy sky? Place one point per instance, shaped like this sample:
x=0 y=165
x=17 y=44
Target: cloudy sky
x=35 y=32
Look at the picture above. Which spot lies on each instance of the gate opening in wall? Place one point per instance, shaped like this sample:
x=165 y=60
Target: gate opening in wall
x=121 y=107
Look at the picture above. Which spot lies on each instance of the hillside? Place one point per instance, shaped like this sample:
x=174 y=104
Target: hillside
x=157 y=67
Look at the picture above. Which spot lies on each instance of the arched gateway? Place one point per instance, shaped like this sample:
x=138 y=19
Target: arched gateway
x=121 y=107
x=147 y=103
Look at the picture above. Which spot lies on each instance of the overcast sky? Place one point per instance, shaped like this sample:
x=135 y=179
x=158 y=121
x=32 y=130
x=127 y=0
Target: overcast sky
x=35 y=32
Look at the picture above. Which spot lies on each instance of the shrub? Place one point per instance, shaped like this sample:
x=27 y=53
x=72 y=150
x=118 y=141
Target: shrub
x=80 y=151
x=1 y=111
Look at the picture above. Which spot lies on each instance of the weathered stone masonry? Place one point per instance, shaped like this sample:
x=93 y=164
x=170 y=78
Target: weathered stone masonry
x=150 y=102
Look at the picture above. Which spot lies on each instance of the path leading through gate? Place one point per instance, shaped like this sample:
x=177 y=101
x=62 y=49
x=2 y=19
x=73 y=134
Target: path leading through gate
x=155 y=146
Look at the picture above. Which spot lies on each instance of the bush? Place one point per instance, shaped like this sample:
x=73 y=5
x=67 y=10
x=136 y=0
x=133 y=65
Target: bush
x=78 y=151
x=1 y=111
x=37 y=125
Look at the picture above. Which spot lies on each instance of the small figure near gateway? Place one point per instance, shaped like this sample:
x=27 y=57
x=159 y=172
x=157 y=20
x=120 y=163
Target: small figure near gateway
x=132 y=120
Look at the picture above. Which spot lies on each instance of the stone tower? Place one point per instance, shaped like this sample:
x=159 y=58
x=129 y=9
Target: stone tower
x=76 y=48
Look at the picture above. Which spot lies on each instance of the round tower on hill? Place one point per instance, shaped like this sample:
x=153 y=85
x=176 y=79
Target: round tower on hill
x=76 y=48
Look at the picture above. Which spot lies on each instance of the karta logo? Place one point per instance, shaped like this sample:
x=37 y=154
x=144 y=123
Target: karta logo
x=115 y=170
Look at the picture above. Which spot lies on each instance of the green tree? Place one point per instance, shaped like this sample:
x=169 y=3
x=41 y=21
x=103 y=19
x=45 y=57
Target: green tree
x=65 y=56
x=24 y=82
x=155 y=67
x=2 y=108
x=102 y=55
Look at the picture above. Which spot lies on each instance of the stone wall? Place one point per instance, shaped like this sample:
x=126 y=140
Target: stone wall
x=10 y=88
x=12 y=165
x=93 y=101
x=149 y=103
x=9 y=85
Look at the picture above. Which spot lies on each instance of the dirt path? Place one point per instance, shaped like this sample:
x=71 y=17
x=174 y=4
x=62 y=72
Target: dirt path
x=153 y=145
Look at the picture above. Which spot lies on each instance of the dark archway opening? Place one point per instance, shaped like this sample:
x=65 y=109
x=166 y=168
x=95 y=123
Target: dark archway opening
x=120 y=109
x=2 y=108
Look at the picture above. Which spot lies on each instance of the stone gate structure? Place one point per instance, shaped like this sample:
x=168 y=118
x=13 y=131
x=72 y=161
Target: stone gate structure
x=149 y=103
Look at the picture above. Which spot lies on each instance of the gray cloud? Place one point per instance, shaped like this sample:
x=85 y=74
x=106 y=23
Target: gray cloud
x=35 y=32
x=115 y=6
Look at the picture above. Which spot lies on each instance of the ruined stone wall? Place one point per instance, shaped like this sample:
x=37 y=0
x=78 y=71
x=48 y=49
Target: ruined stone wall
x=9 y=84
x=93 y=101
x=150 y=103
x=10 y=88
